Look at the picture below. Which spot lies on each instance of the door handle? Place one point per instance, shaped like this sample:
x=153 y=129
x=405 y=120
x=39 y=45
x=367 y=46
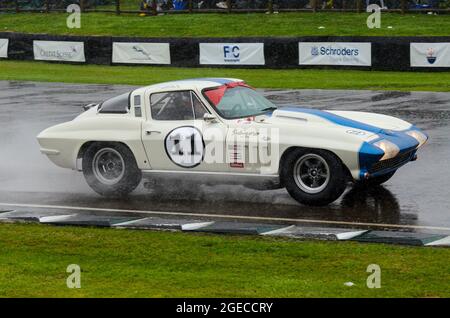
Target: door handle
x=149 y=132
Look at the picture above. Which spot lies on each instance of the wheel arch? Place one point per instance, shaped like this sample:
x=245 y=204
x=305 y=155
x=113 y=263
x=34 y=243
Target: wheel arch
x=86 y=144
x=289 y=150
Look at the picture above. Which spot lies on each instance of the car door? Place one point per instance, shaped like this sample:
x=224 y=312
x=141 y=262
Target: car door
x=176 y=136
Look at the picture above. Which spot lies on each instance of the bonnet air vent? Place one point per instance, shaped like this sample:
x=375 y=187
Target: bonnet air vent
x=290 y=115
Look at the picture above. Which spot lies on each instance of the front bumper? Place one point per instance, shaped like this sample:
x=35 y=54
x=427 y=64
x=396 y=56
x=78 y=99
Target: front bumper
x=385 y=166
x=372 y=158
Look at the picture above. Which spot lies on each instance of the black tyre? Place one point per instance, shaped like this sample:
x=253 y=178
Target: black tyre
x=110 y=169
x=313 y=176
x=375 y=181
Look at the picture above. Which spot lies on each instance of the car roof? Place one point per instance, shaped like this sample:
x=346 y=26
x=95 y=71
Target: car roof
x=198 y=83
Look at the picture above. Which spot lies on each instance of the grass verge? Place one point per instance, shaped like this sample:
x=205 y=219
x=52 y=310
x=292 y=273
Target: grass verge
x=127 y=263
x=229 y=25
x=260 y=78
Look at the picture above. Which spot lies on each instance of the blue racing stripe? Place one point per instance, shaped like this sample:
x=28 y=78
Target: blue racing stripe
x=402 y=140
x=217 y=80
x=336 y=119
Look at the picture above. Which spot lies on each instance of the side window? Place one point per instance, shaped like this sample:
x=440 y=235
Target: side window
x=199 y=109
x=172 y=106
x=116 y=105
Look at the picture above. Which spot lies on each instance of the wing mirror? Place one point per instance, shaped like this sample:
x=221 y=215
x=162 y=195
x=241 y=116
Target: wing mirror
x=87 y=107
x=209 y=118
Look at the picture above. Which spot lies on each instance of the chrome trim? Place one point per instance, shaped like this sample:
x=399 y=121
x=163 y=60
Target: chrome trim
x=103 y=170
x=290 y=117
x=237 y=174
x=50 y=151
x=305 y=171
x=79 y=164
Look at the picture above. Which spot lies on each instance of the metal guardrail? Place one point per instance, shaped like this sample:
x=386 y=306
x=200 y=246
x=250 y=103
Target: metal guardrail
x=191 y=6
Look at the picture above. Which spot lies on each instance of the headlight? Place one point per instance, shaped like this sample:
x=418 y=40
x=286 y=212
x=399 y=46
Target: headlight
x=417 y=135
x=390 y=149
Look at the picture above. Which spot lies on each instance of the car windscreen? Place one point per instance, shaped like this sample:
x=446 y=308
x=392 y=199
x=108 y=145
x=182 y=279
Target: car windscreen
x=116 y=105
x=238 y=101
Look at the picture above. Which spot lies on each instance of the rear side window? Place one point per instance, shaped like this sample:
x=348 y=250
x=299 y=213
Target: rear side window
x=137 y=106
x=116 y=105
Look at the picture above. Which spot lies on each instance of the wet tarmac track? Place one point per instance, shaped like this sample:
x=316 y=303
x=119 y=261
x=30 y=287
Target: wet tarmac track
x=417 y=197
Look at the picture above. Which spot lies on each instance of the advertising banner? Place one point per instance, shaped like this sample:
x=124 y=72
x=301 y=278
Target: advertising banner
x=4 y=47
x=141 y=53
x=232 y=53
x=335 y=53
x=430 y=54
x=59 y=51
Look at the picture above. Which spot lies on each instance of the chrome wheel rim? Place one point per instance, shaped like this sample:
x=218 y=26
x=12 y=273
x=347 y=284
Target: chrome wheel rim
x=311 y=173
x=108 y=166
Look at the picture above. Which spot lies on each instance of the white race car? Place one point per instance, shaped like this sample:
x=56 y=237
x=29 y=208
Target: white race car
x=222 y=130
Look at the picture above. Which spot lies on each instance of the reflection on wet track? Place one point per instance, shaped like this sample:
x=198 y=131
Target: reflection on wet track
x=417 y=195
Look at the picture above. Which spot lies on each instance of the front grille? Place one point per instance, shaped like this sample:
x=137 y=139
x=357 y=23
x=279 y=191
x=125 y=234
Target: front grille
x=392 y=163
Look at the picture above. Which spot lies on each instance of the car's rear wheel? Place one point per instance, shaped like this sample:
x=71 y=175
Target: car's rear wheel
x=110 y=169
x=313 y=176
x=375 y=181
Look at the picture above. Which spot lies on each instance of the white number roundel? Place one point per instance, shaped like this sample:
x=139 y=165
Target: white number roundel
x=185 y=147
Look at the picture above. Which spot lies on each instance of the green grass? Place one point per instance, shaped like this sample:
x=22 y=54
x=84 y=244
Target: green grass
x=127 y=263
x=260 y=78
x=228 y=25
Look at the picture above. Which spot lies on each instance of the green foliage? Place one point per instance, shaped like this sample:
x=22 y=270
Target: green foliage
x=260 y=78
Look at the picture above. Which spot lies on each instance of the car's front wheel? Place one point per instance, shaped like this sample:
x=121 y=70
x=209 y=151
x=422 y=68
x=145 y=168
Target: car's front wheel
x=313 y=176
x=110 y=169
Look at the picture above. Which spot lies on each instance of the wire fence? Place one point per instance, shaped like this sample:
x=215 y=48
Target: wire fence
x=154 y=7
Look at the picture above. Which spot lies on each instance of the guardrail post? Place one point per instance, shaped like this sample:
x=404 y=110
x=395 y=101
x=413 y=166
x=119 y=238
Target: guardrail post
x=270 y=6
x=81 y=5
x=154 y=8
x=229 y=6
x=47 y=6
x=358 y=6
x=315 y=5
x=403 y=6
x=117 y=7
x=190 y=6
x=16 y=3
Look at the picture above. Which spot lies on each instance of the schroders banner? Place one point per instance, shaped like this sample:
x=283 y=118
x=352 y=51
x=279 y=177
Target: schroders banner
x=335 y=53
x=4 y=47
x=141 y=53
x=430 y=54
x=232 y=53
x=59 y=51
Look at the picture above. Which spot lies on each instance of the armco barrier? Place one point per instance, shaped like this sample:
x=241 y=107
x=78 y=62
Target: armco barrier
x=388 y=53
